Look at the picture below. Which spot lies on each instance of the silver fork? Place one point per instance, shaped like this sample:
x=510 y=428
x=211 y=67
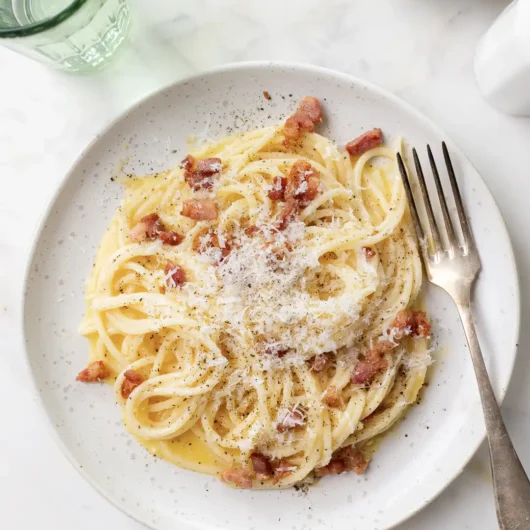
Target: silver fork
x=453 y=266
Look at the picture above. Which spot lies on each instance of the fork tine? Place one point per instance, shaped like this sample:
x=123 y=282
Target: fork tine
x=453 y=242
x=428 y=206
x=410 y=198
x=466 y=230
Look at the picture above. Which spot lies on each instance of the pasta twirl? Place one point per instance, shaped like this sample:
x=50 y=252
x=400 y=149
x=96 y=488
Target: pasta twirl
x=258 y=344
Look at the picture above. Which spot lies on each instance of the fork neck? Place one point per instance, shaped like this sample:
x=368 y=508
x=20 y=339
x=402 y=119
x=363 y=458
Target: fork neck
x=461 y=294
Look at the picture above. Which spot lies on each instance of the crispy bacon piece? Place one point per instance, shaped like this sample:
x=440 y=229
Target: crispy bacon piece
x=200 y=244
x=403 y=320
x=346 y=459
x=413 y=323
x=313 y=187
x=319 y=362
x=199 y=173
x=200 y=209
x=237 y=476
x=365 y=142
x=262 y=466
x=170 y=237
x=96 y=371
x=369 y=252
x=336 y=466
x=282 y=468
x=131 y=380
x=294 y=418
x=277 y=192
x=175 y=275
x=209 y=166
x=354 y=459
x=407 y=322
x=372 y=363
x=151 y=227
x=188 y=163
x=422 y=327
x=332 y=399
x=303 y=183
x=308 y=114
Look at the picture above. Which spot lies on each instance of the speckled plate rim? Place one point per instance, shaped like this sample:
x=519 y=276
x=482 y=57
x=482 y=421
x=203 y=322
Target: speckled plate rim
x=448 y=477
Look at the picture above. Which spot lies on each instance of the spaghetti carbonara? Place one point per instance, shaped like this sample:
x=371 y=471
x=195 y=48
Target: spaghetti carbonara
x=252 y=307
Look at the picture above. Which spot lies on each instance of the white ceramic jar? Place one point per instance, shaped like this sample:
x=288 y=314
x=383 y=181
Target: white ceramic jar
x=502 y=60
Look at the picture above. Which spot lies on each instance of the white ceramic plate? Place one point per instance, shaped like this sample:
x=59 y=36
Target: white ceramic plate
x=414 y=463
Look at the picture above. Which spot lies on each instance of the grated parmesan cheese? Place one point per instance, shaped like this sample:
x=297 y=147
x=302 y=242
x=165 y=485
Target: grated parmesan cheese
x=263 y=284
x=303 y=186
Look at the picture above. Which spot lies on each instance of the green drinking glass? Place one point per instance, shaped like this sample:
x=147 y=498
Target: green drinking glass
x=72 y=35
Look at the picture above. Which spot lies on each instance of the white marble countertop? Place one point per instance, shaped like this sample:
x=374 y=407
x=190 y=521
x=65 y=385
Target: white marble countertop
x=420 y=50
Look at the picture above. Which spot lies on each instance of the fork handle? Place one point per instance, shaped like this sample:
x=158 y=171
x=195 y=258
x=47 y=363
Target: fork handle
x=510 y=482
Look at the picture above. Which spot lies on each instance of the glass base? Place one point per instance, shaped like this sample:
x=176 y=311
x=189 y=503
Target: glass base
x=95 y=45
x=85 y=42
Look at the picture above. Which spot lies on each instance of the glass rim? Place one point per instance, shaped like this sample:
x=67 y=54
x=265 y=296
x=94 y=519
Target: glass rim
x=48 y=23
